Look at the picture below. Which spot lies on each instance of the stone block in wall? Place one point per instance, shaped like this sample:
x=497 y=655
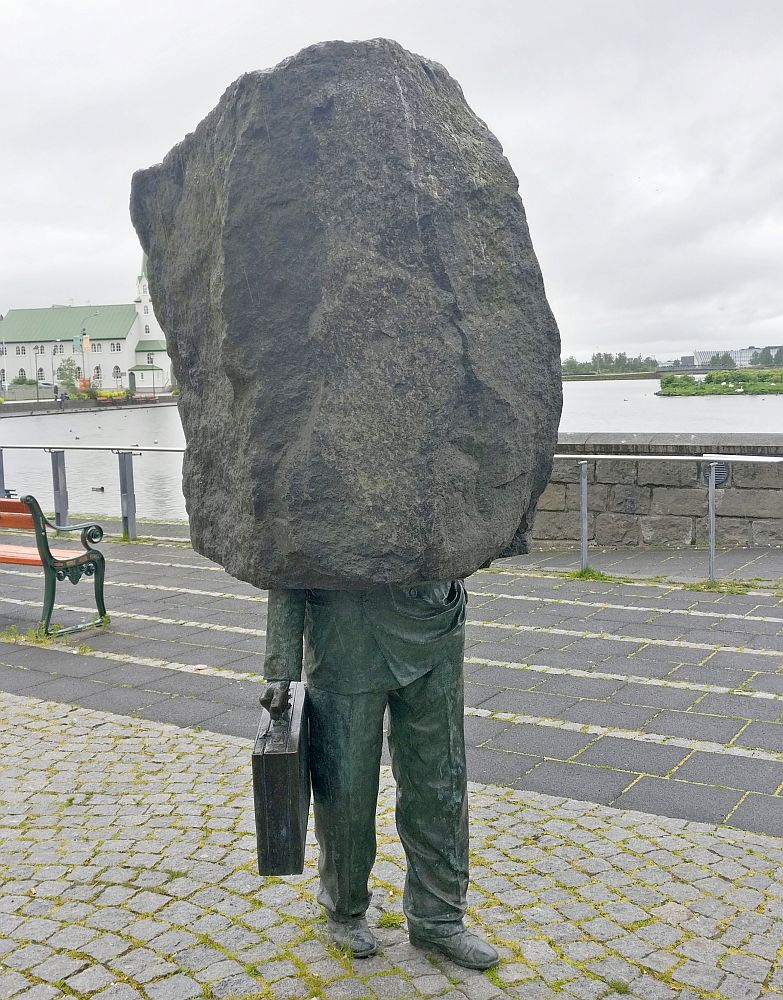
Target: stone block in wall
x=609 y=470
x=617 y=529
x=553 y=497
x=668 y=474
x=566 y=470
x=680 y=502
x=597 y=496
x=556 y=526
x=729 y=531
x=767 y=477
x=768 y=531
x=750 y=503
x=660 y=529
x=629 y=499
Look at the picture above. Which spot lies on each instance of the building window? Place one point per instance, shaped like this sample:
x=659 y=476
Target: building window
x=146 y=309
x=150 y=359
x=96 y=373
x=144 y=289
x=78 y=372
x=2 y=376
x=59 y=348
x=2 y=350
x=147 y=330
x=21 y=350
x=116 y=347
x=116 y=374
x=96 y=348
x=22 y=373
x=40 y=375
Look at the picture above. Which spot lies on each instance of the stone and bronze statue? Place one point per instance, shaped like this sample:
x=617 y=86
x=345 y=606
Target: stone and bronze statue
x=370 y=392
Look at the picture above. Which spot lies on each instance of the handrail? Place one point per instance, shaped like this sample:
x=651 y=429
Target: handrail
x=587 y=456
x=114 y=449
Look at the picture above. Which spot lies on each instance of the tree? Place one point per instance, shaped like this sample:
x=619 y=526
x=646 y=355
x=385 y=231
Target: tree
x=66 y=374
x=765 y=357
x=724 y=360
x=778 y=359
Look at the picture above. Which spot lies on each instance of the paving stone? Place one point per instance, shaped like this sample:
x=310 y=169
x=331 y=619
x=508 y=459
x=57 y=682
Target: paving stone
x=679 y=798
x=178 y=987
x=90 y=980
x=577 y=781
x=11 y=983
x=629 y=755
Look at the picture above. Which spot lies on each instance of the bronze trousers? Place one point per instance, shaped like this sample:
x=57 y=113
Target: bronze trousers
x=427 y=746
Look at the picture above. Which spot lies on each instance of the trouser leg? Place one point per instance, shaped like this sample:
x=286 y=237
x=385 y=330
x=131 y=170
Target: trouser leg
x=427 y=744
x=346 y=737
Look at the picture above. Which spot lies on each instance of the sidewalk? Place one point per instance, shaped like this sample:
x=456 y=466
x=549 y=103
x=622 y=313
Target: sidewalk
x=127 y=865
x=126 y=841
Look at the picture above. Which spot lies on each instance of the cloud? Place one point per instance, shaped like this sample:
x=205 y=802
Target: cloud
x=646 y=136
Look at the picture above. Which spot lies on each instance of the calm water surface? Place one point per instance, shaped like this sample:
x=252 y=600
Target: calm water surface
x=620 y=407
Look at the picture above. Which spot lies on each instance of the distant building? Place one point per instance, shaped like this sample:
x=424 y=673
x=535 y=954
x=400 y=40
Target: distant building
x=125 y=346
x=743 y=358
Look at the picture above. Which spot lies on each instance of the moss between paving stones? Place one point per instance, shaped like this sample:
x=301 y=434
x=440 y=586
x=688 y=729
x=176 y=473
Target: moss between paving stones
x=142 y=835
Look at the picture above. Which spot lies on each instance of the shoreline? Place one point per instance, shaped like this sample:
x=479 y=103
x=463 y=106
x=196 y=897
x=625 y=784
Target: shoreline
x=46 y=409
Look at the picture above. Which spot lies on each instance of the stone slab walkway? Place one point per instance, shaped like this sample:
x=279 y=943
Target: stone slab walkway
x=127 y=873
x=637 y=694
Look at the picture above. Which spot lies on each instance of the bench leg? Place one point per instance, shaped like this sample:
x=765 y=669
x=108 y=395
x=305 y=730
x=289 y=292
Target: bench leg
x=100 y=566
x=50 y=586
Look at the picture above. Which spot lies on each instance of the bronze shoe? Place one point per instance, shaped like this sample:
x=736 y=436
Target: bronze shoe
x=463 y=948
x=352 y=935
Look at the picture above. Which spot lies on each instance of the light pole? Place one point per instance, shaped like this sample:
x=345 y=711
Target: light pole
x=82 y=336
x=53 y=353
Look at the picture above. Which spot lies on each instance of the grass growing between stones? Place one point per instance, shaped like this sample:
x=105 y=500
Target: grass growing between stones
x=589 y=573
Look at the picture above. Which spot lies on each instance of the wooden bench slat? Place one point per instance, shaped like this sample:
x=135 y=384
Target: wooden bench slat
x=19 y=555
x=13 y=506
x=31 y=557
x=8 y=520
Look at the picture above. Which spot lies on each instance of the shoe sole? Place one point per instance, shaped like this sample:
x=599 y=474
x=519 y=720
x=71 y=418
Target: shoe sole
x=434 y=946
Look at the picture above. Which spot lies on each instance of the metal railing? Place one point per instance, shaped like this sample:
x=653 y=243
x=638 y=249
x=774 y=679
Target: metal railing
x=713 y=461
x=60 y=483
x=128 y=494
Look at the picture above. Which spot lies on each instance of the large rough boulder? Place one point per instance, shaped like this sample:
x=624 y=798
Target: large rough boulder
x=369 y=369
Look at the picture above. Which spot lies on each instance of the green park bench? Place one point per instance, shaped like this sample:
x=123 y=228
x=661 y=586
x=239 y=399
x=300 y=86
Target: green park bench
x=58 y=564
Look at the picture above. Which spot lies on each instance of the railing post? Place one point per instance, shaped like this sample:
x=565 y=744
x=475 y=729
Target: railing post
x=583 y=513
x=711 y=520
x=127 y=495
x=2 y=476
x=60 y=488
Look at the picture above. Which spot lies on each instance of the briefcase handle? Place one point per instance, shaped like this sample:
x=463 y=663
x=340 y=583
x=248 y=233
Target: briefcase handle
x=281 y=720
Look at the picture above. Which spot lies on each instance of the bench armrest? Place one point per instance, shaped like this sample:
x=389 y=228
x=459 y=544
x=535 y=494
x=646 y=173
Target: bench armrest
x=91 y=533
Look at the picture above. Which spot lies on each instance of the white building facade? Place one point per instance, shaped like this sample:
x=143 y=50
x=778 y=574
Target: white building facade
x=114 y=346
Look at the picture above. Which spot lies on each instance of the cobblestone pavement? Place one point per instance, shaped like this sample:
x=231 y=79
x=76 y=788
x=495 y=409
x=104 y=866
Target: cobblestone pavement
x=638 y=694
x=127 y=872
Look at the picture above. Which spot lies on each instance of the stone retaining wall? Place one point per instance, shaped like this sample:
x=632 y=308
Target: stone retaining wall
x=663 y=503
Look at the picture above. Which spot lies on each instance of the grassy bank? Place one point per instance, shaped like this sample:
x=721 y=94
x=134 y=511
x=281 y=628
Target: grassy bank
x=734 y=382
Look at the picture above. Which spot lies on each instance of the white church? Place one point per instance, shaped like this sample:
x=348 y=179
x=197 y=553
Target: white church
x=115 y=347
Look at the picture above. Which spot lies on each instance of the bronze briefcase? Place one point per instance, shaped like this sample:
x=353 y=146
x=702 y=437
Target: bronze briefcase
x=281 y=787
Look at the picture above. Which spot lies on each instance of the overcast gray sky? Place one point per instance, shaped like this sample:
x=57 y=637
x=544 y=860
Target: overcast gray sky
x=647 y=136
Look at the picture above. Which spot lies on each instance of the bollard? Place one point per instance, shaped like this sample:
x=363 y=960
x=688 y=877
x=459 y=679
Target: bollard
x=2 y=476
x=127 y=495
x=60 y=487
x=711 y=519
x=583 y=513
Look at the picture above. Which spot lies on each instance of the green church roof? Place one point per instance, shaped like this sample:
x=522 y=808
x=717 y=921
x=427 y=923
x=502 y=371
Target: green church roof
x=151 y=345
x=27 y=326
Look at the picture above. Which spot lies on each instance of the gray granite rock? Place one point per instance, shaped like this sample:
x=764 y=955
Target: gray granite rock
x=369 y=369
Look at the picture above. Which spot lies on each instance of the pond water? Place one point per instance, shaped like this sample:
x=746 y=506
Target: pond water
x=621 y=407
